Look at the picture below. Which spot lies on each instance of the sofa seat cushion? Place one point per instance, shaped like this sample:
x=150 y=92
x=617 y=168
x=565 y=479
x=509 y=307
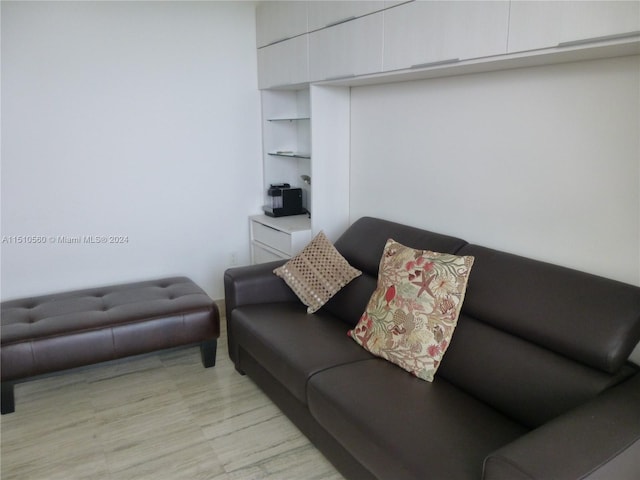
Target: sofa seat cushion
x=293 y=345
x=401 y=428
x=600 y=441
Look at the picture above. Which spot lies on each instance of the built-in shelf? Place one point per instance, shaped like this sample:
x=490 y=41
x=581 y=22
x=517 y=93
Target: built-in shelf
x=287 y=119
x=290 y=154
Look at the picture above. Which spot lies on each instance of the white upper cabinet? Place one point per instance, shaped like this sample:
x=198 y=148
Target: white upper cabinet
x=543 y=24
x=425 y=32
x=279 y=20
x=327 y=13
x=348 y=49
x=393 y=3
x=328 y=40
x=284 y=63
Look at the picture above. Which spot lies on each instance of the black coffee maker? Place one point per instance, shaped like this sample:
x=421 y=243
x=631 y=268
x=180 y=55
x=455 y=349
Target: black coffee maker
x=284 y=201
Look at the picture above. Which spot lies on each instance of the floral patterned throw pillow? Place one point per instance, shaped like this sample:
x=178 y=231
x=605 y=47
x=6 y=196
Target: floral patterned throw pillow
x=411 y=316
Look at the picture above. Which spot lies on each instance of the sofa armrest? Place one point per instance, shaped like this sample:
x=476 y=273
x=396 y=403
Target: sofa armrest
x=598 y=440
x=254 y=284
x=251 y=285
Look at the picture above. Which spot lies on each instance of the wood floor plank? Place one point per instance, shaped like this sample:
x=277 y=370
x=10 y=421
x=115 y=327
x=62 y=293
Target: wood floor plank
x=160 y=416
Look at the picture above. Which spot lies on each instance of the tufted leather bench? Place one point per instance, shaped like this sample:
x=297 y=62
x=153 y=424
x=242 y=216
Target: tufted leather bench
x=66 y=330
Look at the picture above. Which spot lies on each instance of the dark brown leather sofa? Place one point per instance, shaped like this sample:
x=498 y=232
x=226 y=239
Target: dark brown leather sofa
x=536 y=383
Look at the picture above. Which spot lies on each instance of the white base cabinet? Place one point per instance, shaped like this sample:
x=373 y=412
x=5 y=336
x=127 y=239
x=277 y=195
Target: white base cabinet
x=278 y=238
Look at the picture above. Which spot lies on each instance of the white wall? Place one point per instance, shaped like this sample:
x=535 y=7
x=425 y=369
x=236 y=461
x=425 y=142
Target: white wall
x=542 y=162
x=127 y=118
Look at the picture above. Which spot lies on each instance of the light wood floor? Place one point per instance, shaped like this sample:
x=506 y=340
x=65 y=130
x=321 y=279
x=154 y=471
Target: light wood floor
x=160 y=416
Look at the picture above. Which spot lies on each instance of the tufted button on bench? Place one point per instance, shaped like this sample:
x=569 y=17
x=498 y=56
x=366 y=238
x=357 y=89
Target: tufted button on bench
x=55 y=332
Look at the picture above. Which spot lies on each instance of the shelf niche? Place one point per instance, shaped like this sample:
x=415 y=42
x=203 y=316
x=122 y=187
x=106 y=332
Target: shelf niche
x=286 y=140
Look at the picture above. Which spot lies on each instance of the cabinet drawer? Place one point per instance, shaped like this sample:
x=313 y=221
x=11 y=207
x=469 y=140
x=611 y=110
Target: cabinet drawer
x=272 y=237
x=263 y=255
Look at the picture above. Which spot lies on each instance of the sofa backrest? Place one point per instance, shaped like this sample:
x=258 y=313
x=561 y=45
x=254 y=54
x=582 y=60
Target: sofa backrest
x=362 y=245
x=590 y=319
x=533 y=339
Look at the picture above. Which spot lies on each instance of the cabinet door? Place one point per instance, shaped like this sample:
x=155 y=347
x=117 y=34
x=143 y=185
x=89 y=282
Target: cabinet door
x=324 y=14
x=543 y=24
x=279 y=20
x=394 y=3
x=351 y=48
x=424 y=32
x=284 y=63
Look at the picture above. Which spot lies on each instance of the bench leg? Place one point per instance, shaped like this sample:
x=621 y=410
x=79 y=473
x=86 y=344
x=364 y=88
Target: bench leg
x=208 y=352
x=8 y=404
